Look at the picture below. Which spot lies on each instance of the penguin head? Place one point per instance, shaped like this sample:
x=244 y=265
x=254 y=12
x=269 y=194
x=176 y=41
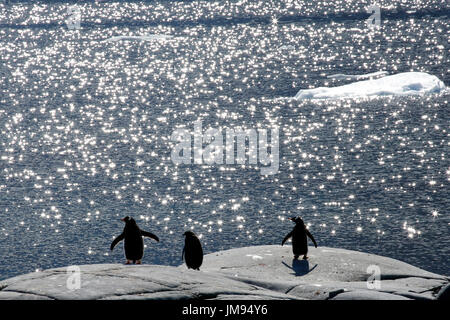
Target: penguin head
x=128 y=220
x=189 y=234
x=297 y=220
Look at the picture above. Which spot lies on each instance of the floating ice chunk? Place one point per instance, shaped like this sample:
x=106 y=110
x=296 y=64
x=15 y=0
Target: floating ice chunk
x=406 y=83
x=287 y=47
x=373 y=75
x=150 y=37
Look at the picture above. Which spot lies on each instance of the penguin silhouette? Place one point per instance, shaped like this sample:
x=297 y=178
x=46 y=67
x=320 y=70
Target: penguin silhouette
x=299 y=240
x=134 y=244
x=192 y=251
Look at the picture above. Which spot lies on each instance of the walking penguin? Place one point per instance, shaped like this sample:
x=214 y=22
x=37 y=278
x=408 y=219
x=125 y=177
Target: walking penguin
x=192 y=251
x=134 y=244
x=299 y=240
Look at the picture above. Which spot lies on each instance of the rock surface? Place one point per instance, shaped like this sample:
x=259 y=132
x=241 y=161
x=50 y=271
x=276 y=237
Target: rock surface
x=262 y=272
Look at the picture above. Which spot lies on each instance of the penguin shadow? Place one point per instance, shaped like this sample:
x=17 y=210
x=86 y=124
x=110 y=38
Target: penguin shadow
x=300 y=267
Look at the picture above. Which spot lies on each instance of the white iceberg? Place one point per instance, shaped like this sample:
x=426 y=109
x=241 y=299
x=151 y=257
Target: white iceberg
x=402 y=84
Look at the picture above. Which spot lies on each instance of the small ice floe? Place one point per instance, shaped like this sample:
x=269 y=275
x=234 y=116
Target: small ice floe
x=150 y=37
x=254 y=256
x=287 y=47
x=373 y=75
x=401 y=84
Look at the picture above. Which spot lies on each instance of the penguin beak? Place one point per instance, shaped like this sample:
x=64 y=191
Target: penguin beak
x=123 y=219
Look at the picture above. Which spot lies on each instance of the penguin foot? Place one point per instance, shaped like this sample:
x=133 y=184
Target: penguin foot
x=138 y=262
x=296 y=257
x=128 y=262
x=305 y=257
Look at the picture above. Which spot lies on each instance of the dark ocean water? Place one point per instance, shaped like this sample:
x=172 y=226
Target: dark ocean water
x=85 y=127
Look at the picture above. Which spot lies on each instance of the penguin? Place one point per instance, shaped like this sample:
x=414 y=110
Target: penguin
x=299 y=240
x=134 y=244
x=192 y=251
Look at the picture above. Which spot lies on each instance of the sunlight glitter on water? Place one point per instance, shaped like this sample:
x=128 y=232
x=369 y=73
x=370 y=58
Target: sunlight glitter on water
x=85 y=127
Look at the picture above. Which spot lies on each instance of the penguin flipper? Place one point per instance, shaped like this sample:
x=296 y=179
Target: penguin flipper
x=311 y=237
x=287 y=237
x=182 y=254
x=117 y=240
x=150 y=235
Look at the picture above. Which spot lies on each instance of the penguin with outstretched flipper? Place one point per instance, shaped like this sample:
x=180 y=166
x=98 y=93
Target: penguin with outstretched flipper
x=192 y=251
x=299 y=240
x=134 y=244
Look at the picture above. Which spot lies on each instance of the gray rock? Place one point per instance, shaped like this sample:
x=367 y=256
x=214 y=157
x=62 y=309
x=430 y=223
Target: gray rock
x=327 y=274
x=367 y=295
x=262 y=272
x=444 y=293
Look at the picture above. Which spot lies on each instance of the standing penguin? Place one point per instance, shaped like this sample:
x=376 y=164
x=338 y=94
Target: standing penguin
x=192 y=251
x=134 y=244
x=299 y=240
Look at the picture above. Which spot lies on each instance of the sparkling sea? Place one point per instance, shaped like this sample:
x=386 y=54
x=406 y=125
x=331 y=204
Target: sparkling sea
x=86 y=125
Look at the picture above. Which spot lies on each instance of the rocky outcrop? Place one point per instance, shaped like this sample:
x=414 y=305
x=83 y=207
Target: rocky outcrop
x=262 y=272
